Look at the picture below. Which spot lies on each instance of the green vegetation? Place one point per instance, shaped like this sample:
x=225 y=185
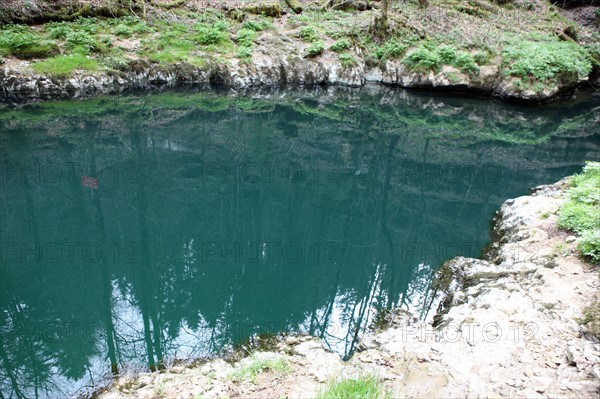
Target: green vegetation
x=347 y=60
x=340 y=45
x=22 y=42
x=65 y=65
x=391 y=49
x=308 y=33
x=211 y=34
x=255 y=26
x=361 y=387
x=531 y=53
x=315 y=48
x=245 y=39
x=546 y=61
x=432 y=56
x=591 y=318
x=256 y=366
x=581 y=213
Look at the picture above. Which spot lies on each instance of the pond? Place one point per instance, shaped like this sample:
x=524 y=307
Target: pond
x=145 y=228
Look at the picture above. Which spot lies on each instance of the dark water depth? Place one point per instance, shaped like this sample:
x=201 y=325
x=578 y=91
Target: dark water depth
x=218 y=217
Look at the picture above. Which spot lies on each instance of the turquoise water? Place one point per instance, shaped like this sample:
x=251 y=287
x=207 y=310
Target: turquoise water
x=219 y=217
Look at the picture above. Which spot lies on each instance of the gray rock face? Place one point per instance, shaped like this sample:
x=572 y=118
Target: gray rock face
x=267 y=68
x=510 y=329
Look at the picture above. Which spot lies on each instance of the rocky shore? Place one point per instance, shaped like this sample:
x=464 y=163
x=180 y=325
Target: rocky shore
x=270 y=70
x=507 y=326
x=497 y=54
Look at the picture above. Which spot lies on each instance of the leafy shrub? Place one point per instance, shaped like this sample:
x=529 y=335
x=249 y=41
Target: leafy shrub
x=578 y=217
x=89 y=25
x=465 y=62
x=546 y=61
x=589 y=245
x=308 y=33
x=340 y=45
x=315 y=48
x=245 y=37
x=58 y=31
x=423 y=57
x=254 y=25
x=447 y=54
x=580 y=213
x=211 y=34
x=429 y=56
x=244 y=52
x=391 y=49
x=65 y=65
x=82 y=42
x=123 y=30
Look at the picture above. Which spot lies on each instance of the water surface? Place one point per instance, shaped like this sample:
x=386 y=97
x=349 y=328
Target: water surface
x=221 y=216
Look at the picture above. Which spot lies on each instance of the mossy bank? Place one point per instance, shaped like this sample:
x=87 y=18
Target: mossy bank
x=530 y=51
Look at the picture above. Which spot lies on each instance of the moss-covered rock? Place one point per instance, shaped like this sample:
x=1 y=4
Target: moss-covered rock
x=267 y=8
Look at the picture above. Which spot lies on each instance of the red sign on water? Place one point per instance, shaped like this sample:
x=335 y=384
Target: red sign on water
x=90 y=182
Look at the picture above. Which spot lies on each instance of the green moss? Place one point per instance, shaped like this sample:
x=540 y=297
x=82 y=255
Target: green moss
x=347 y=60
x=591 y=318
x=65 y=65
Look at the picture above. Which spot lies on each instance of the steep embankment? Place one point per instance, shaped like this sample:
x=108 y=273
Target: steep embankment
x=507 y=327
x=528 y=51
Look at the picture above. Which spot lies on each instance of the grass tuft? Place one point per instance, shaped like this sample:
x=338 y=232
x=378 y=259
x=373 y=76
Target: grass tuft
x=362 y=387
x=65 y=65
x=256 y=366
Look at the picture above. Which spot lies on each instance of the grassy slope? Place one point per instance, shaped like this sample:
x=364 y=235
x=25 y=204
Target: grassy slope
x=525 y=38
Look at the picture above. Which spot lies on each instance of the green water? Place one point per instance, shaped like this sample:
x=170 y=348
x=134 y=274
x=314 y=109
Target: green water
x=219 y=217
